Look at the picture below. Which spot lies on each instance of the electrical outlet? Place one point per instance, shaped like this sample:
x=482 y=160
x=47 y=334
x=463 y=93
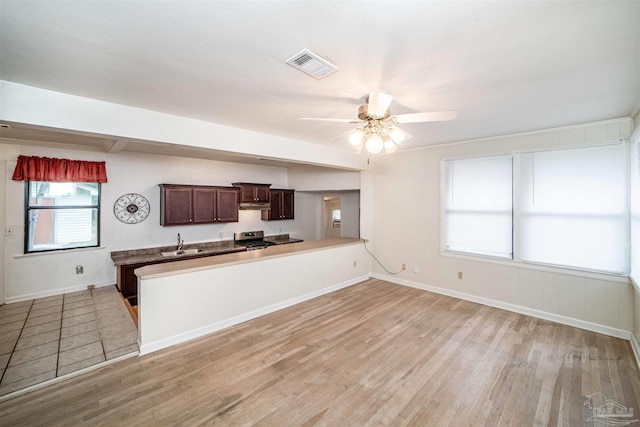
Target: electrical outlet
x=460 y=275
x=404 y=266
x=416 y=269
x=79 y=269
x=221 y=234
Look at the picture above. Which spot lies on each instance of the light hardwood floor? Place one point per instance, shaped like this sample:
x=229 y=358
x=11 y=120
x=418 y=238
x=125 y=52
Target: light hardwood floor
x=374 y=354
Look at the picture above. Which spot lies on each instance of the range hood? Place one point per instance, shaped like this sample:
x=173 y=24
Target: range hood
x=255 y=206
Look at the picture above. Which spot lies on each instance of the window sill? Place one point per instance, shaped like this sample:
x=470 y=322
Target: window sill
x=64 y=251
x=609 y=277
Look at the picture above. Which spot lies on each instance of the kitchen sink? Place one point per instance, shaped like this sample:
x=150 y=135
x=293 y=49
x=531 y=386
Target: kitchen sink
x=181 y=252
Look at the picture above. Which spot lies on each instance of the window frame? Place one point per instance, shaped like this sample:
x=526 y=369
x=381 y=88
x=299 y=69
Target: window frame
x=516 y=259
x=28 y=209
x=444 y=204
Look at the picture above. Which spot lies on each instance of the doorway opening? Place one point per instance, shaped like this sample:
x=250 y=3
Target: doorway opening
x=331 y=217
x=340 y=215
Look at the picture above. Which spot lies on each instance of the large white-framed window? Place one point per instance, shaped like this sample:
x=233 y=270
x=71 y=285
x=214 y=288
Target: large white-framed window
x=61 y=215
x=570 y=207
x=478 y=207
x=634 y=206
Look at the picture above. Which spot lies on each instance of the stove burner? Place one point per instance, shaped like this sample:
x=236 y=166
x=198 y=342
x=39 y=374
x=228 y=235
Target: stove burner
x=252 y=240
x=252 y=246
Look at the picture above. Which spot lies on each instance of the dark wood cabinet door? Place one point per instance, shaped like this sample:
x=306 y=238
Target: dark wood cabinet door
x=288 y=199
x=281 y=202
x=127 y=280
x=250 y=193
x=276 y=205
x=227 y=205
x=176 y=206
x=247 y=194
x=204 y=205
x=262 y=194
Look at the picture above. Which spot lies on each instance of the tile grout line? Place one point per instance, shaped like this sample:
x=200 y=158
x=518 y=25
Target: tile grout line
x=65 y=301
x=60 y=335
x=4 y=371
x=104 y=353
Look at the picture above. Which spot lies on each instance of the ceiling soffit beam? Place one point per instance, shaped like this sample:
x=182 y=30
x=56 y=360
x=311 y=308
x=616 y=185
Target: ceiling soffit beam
x=116 y=146
x=41 y=107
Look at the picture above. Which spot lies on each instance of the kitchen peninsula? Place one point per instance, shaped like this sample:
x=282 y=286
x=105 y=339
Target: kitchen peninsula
x=186 y=299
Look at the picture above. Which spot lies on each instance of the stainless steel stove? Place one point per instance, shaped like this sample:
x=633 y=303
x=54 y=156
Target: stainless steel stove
x=252 y=240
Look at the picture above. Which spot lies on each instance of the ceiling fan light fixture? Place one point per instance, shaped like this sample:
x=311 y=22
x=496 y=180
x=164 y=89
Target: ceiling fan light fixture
x=378 y=104
x=374 y=144
x=357 y=148
x=356 y=138
x=390 y=146
x=396 y=134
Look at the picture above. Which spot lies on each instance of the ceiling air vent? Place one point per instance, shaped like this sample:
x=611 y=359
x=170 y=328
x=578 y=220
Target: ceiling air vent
x=310 y=63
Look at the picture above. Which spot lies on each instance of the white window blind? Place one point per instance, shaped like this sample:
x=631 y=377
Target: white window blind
x=573 y=205
x=634 y=172
x=477 y=206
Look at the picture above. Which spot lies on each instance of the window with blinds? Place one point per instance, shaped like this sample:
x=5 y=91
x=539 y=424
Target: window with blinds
x=477 y=206
x=634 y=205
x=570 y=207
x=573 y=206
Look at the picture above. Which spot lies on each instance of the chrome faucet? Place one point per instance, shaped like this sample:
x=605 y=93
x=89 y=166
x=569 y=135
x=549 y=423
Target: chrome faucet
x=180 y=243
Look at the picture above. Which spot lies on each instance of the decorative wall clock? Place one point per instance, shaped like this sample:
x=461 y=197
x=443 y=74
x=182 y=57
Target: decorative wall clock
x=131 y=208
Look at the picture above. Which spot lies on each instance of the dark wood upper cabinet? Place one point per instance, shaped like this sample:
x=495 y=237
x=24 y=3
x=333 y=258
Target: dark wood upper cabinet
x=288 y=199
x=197 y=204
x=250 y=192
x=282 y=202
x=176 y=205
x=204 y=205
x=227 y=204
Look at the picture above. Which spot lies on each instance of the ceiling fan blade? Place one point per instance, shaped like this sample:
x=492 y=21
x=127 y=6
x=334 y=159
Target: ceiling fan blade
x=436 y=116
x=331 y=120
x=378 y=104
x=343 y=134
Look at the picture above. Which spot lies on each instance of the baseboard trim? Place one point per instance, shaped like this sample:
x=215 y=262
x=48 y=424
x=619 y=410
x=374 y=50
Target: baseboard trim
x=52 y=292
x=582 y=324
x=214 y=327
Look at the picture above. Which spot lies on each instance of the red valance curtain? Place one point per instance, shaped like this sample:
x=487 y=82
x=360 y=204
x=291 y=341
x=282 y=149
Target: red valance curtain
x=59 y=170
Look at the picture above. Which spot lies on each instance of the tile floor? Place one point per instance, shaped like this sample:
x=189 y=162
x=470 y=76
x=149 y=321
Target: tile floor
x=49 y=337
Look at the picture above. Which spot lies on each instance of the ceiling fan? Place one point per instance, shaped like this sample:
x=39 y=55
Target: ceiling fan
x=379 y=130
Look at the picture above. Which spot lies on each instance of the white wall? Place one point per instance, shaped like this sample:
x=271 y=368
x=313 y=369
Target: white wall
x=307 y=214
x=311 y=178
x=3 y=204
x=43 y=274
x=236 y=293
x=407 y=230
x=350 y=206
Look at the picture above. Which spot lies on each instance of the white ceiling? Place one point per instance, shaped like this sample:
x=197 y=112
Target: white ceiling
x=506 y=67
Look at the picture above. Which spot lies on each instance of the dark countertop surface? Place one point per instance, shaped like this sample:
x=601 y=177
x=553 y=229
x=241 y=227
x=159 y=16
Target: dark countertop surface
x=282 y=241
x=153 y=255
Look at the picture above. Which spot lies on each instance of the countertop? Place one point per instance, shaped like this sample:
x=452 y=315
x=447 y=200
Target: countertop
x=207 y=249
x=196 y=264
x=138 y=256
x=278 y=240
